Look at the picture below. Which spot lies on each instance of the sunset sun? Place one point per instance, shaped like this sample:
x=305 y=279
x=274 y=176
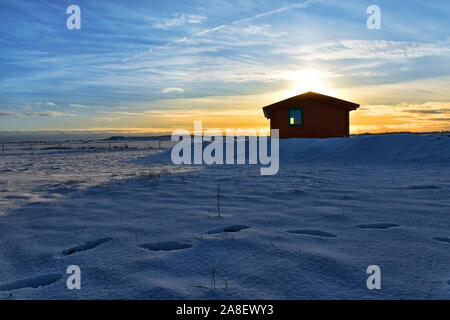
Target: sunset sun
x=308 y=80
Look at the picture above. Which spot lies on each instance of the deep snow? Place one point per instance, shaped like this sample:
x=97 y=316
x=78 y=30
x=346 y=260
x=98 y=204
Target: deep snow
x=140 y=227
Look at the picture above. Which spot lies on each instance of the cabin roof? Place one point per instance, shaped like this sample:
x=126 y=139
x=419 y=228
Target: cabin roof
x=310 y=96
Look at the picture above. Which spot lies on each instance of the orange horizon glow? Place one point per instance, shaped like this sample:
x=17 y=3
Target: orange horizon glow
x=245 y=111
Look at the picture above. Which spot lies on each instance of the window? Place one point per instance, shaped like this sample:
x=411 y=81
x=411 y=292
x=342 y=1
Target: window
x=295 y=117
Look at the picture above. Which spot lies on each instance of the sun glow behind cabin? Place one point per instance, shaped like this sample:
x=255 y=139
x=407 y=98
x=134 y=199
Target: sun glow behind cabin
x=308 y=80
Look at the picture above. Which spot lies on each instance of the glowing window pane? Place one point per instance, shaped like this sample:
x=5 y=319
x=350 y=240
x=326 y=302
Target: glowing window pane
x=296 y=117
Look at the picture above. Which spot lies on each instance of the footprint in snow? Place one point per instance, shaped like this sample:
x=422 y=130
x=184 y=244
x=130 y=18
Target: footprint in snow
x=34 y=282
x=442 y=239
x=165 y=246
x=378 y=226
x=84 y=247
x=315 y=233
x=423 y=187
x=232 y=228
x=17 y=197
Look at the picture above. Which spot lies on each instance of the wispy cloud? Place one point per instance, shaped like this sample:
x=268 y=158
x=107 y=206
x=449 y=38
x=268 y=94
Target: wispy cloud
x=7 y=114
x=81 y=106
x=429 y=111
x=170 y=90
x=48 y=103
x=248 y=29
x=367 y=49
x=35 y=114
x=129 y=114
x=179 y=20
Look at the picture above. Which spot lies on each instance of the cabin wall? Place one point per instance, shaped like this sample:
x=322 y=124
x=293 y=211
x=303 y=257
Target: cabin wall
x=321 y=120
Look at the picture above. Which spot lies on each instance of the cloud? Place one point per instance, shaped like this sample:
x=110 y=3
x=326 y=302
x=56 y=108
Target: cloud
x=25 y=107
x=130 y=114
x=48 y=103
x=46 y=114
x=423 y=111
x=248 y=30
x=435 y=104
x=367 y=49
x=8 y=114
x=203 y=32
x=170 y=90
x=179 y=21
x=427 y=108
x=401 y=117
x=35 y=114
x=82 y=106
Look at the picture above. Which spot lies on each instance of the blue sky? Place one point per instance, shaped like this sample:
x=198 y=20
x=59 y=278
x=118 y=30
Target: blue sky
x=151 y=66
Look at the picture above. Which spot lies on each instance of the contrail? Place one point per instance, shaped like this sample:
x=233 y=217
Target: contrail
x=260 y=15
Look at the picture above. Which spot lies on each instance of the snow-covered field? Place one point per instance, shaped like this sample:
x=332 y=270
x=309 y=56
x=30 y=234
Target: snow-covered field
x=140 y=227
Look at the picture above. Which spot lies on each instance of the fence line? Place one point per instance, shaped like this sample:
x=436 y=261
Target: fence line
x=21 y=147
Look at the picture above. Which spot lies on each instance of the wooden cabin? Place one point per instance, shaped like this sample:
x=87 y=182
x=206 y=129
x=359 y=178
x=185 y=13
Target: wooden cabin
x=310 y=115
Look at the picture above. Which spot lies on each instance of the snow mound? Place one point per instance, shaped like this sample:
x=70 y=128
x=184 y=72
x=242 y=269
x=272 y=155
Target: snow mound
x=361 y=149
x=373 y=149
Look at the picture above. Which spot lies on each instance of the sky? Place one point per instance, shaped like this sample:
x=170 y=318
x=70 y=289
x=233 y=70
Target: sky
x=146 y=67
